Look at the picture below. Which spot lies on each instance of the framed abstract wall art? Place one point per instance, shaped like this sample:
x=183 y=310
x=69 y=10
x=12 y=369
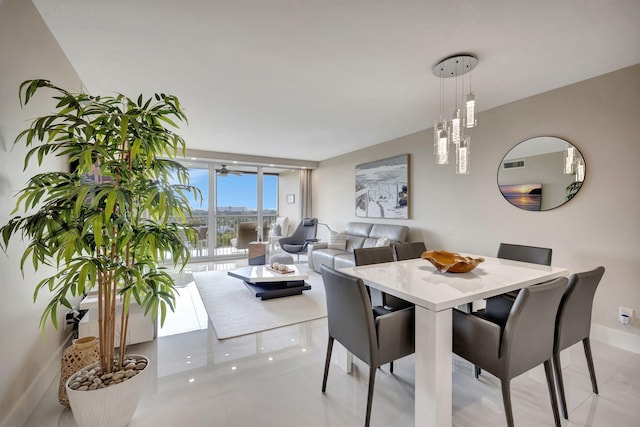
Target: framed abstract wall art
x=382 y=188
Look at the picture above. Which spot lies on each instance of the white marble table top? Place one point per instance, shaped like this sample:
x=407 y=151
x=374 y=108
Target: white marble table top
x=419 y=282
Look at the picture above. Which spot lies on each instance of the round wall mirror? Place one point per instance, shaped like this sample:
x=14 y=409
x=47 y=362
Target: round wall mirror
x=541 y=173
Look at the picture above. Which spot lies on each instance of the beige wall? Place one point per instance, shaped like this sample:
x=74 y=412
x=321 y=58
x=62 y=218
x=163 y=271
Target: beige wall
x=289 y=183
x=600 y=226
x=30 y=360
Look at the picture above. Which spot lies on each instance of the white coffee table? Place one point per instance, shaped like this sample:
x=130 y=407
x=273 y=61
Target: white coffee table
x=267 y=284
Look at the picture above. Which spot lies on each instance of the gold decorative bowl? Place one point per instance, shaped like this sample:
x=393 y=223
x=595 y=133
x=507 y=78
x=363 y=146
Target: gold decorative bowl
x=451 y=262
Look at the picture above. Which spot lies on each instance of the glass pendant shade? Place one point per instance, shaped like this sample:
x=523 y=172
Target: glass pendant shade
x=580 y=169
x=463 y=155
x=569 y=160
x=441 y=143
x=470 y=111
x=456 y=133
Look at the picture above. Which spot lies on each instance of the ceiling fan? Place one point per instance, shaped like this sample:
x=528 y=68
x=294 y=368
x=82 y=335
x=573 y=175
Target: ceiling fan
x=223 y=171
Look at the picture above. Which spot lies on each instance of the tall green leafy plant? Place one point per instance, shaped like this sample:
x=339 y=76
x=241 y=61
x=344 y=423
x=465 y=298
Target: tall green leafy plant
x=116 y=216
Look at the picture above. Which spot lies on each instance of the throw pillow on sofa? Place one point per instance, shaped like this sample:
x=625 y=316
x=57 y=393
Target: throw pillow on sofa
x=276 y=231
x=283 y=222
x=383 y=241
x=338 y=240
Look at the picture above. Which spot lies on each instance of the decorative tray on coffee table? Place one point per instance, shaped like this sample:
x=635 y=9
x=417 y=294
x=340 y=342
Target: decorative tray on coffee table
x=276 y=270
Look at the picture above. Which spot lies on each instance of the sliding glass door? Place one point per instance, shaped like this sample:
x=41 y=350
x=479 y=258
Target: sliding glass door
x=236 y=201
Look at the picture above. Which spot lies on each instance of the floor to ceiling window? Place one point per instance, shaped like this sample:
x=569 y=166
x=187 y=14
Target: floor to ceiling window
x=231 y=196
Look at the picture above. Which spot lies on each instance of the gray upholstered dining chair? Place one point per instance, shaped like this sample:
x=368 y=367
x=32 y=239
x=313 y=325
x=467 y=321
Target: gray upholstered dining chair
x=498 y=307
x=522 y=343
x=374 y=340
x=377 y=255
x=573 y=324
x=533 y=254
x=388 y=303
x=410 y=250
x=373 y=255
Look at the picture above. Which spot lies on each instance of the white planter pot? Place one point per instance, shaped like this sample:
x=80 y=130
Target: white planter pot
x=112 y=406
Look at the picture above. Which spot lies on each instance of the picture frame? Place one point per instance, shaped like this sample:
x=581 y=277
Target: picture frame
x=382 y=188
x=523 y=196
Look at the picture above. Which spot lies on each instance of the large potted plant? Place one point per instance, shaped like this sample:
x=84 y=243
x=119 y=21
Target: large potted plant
x=114 y=218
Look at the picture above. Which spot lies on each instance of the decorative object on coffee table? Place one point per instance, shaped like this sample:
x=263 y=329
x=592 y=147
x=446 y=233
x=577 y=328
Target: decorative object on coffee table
x=281 y=259
x=451 y=262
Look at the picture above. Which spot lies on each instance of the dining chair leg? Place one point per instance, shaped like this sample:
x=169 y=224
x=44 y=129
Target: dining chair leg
x=372 y=380
x=587 y=352
x=557 y=373
x=327 y=362
x=506 y=400
x=548 y=370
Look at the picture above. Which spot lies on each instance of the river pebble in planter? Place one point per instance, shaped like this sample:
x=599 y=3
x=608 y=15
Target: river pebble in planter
x=92 y=379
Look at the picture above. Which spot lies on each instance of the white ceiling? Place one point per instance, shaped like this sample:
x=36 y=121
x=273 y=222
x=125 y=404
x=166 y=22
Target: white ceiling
x=313 y=79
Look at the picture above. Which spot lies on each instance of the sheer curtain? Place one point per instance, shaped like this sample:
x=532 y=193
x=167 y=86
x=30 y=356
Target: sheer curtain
x=305 y=193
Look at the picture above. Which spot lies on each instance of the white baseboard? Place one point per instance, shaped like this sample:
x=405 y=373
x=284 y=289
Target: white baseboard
x=31 y=397
x=616 y=337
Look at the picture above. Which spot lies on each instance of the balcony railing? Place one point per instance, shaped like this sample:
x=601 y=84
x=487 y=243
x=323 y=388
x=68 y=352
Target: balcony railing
x=225 y=233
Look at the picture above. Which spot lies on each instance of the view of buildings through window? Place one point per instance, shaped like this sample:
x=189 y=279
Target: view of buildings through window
x=228 y=199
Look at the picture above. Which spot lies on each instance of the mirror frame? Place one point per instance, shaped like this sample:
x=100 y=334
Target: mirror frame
x=535 y=185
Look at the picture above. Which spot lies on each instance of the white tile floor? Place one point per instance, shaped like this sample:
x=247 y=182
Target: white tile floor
x=274 y=378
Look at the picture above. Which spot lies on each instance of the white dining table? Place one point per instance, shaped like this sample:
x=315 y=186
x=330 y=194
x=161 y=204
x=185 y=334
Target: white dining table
x=435 y=294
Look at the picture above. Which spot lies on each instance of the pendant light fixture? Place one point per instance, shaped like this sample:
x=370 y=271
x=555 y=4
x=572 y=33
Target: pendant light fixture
x=469 y=106
x=441 y=132
x=573 y=163
x=462 y=156
x=579 y=169
x=444 y=132
x=569 y=159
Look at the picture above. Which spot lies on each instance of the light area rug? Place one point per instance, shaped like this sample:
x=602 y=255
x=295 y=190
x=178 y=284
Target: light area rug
x=235 y=311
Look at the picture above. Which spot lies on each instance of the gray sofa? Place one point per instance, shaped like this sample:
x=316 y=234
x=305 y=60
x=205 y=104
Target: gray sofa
x=359 y=235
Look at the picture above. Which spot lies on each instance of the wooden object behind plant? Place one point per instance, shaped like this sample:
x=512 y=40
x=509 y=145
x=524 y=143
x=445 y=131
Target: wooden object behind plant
x=110 y=222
